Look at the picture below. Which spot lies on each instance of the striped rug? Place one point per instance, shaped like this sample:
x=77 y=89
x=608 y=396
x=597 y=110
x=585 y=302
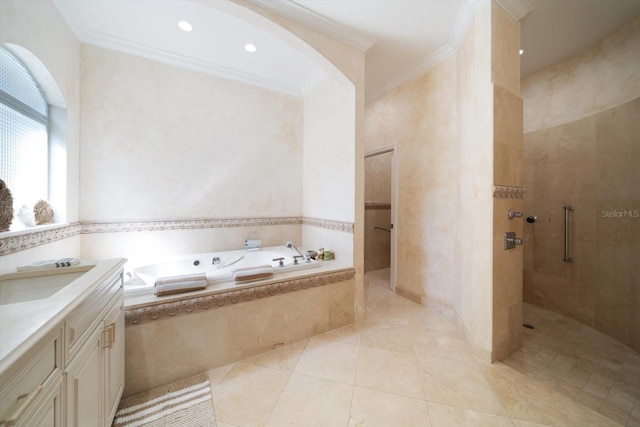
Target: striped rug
x=186 y=403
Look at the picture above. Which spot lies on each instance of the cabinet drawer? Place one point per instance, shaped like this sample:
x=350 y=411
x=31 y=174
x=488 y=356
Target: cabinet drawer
x=20 y=392
x=80 y=322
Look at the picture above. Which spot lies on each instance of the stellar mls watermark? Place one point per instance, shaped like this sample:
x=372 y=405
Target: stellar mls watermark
x=625 y=213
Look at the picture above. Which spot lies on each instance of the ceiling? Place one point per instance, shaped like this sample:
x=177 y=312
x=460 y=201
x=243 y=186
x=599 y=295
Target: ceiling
x=401 y=38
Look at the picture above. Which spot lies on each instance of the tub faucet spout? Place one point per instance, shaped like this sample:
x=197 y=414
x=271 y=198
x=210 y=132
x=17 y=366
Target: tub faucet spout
x=290 y=245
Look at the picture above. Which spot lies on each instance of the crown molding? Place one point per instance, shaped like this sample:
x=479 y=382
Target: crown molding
x=87 y=36
x=425 y=64
x=465 y=14
x=297 y=13
x=516 y=9
x=102 y=40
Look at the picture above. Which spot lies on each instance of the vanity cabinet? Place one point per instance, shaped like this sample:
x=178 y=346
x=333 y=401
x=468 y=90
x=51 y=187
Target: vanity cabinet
x=95 y=371
x=73 y=376
x=32 y=395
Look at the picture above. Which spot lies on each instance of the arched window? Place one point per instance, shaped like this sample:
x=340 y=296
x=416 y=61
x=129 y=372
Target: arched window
x=24 y=142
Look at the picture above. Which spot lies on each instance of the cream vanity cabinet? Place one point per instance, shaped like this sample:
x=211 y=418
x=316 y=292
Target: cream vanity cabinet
x=94 y=338
x=74 y=376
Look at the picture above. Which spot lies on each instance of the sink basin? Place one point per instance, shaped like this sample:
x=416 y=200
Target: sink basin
x=35 y=285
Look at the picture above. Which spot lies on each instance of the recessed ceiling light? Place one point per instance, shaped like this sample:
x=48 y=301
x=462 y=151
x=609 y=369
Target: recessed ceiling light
x=250 y=47
x=521 y=51
x=185 y=26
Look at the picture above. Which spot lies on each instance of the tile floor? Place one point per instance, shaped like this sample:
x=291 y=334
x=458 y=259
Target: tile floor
x=404 y=365
x=581 y=363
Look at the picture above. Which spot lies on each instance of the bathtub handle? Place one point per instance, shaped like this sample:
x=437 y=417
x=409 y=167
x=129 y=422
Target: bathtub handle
x=280 y=261
x=296 y=258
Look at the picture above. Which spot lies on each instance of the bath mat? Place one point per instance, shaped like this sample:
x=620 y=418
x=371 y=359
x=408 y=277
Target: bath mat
x=185 y=403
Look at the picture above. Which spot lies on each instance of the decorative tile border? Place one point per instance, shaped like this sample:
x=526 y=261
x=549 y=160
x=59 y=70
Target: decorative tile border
x=347 y=227
x=508 y=192
x=153 y=312
x=377 y=206
x=124 y=227
x=30 y=239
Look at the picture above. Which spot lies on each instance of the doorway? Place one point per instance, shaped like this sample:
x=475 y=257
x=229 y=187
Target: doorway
x=380 y=211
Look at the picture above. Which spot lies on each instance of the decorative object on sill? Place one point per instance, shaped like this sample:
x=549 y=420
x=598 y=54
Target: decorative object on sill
x=6 y=207
x=25 y=215
x=42 y=212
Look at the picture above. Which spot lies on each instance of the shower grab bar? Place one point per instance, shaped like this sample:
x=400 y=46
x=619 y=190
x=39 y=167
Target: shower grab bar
x=377 y=227
x=567 y=209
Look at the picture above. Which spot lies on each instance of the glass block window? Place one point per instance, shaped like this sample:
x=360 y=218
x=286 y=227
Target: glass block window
x=24 y=146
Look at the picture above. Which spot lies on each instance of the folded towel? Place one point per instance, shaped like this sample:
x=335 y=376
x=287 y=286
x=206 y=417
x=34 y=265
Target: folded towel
x=47 y=264
x=178 y=284
x=241 y=275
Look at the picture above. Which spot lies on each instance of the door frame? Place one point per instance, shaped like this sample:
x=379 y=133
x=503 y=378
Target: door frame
x=393 y=149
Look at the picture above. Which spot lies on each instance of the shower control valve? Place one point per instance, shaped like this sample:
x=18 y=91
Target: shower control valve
x=510 y=240
x=513 y=214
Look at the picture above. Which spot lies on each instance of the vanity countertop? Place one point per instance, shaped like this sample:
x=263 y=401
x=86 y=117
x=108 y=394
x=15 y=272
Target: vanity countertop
x=22 y=324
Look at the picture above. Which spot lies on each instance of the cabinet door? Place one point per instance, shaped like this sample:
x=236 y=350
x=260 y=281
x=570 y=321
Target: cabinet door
x=84 y=384
x=49 y=413
x=113 y=359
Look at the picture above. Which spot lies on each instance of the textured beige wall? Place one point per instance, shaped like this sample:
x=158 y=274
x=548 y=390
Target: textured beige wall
x=507 y=170
x=604 y=76
x=329 y=166
x=39 y=28
x=581 y=147
x=601 y=287
x=161 y=142
x=419 y=117
x=473 y=299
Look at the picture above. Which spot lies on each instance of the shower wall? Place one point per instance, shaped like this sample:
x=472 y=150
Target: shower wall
x=377 y=211
x=586 y=155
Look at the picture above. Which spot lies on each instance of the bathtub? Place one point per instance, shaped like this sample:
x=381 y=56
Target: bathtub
x=218 y=267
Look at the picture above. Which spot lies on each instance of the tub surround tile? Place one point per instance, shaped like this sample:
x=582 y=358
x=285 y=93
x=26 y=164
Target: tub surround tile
x=150 y=312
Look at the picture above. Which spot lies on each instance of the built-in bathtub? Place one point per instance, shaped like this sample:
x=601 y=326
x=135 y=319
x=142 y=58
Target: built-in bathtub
x=218 y=267
x=196 y=331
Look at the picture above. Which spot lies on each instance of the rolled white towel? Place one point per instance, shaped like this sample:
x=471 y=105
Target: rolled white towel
x=248 y=274
x=47 y=264
x=178 y=284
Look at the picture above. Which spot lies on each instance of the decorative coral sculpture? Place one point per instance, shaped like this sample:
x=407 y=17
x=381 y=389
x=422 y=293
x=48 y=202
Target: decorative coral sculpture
x=6 y=207
x=42 y=212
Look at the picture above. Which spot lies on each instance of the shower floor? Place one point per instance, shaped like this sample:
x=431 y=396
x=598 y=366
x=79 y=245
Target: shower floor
x=581 y=363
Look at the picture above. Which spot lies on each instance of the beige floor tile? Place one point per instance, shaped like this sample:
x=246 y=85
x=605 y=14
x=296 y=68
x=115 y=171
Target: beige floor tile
x=527 y=399
x=221 y=424
x=311 y=402
x=458 y=383
x=284 y=358
x=389 y=371
x=371 y=408
x=443 y=344
x=589 y=400
x=246 y=395
x=616 y=413
x=349 y=334
x=329 y=360
x=452 y=416
x=521 y=423
x=215 y=375
x=389 y=336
